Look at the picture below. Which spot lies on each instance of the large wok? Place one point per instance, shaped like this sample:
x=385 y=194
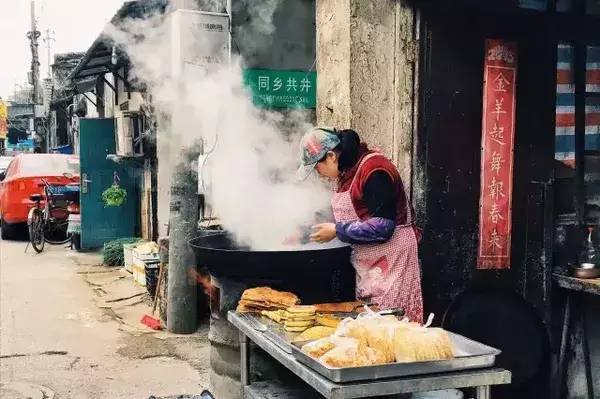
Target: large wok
x=316 y=273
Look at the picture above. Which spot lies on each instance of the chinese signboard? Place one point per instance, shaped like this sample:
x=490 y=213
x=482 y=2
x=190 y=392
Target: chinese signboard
x=497 y=139
x=3 y=120
x=282 y=89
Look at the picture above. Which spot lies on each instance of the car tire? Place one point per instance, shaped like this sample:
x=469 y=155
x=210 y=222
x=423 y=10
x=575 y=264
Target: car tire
x=8 y=231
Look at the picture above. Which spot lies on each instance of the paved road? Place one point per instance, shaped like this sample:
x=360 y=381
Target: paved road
x=54 y=339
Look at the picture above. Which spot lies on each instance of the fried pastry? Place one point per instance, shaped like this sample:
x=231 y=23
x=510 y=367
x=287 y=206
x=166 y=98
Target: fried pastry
x=317 y=332
x=318 y=348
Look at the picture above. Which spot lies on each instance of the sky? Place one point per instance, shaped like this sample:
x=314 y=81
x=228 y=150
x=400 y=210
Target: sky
x=76 y=24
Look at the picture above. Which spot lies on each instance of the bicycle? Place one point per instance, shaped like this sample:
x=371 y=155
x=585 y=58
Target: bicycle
x=48 y=220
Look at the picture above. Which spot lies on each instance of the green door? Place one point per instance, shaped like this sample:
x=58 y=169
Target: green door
x=100 y=224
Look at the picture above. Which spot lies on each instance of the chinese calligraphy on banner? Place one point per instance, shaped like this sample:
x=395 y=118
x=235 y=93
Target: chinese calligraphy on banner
x=282 y=89
x=497 y=139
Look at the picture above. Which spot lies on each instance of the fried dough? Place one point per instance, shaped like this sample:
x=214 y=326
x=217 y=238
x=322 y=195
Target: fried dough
x=318 y=348
x=317 y=332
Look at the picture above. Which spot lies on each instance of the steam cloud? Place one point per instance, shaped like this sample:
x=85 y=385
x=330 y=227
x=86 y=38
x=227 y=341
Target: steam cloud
x=254 y=191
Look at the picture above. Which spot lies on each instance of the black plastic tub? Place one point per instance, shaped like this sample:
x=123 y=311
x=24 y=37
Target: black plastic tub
x=315 y=273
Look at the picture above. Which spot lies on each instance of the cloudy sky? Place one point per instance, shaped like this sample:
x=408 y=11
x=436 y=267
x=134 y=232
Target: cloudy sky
x=76 y=24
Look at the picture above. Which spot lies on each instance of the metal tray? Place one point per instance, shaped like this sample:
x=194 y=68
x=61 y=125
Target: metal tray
x=275 y=332
x=469 y=355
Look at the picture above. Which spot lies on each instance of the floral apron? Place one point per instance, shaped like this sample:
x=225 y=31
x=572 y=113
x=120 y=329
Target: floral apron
x=386 y=274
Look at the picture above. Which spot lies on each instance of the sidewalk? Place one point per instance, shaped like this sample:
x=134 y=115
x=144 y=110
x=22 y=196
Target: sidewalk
x=121 y=299
x=71 y=330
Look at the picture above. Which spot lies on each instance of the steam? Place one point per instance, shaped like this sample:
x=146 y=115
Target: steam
x=253 y=153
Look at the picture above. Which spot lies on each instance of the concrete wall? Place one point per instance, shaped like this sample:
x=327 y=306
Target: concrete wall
x=278 y=35
x=365 y=64
x=274 y=35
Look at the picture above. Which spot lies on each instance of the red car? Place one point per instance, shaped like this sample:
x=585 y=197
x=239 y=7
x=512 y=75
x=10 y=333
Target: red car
x=24 y=178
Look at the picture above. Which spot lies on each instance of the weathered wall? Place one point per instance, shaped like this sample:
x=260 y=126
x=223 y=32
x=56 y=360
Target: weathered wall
x=274 y=34
x=365 y=67
x=277 y=35
x=333 y=63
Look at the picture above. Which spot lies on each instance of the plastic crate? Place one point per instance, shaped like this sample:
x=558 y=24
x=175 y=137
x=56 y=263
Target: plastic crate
x=128 y=256
x=139 y=266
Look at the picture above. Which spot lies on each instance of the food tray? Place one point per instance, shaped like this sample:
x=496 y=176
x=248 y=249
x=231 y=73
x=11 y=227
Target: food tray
x=275 y=331
x=469 y=355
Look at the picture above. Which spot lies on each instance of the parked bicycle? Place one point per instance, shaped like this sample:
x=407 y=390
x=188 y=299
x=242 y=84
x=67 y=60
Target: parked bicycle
x=48 y=219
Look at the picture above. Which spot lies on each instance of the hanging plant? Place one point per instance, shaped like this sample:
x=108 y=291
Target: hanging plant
x=114 y=196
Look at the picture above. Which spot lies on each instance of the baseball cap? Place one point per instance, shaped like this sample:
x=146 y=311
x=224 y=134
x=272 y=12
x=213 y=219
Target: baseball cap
x=313 y=147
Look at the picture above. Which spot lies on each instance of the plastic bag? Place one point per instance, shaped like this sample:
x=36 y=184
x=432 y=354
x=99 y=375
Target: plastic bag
x=319 y=347
x=415 y=344
x=374 y=331
x=348 y=352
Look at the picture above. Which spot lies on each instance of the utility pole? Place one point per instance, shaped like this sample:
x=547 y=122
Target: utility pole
x=48 y=39
x=182 y=306
x=33 y=37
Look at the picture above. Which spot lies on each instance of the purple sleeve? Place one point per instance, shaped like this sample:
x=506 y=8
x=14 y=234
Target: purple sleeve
x=372 y=230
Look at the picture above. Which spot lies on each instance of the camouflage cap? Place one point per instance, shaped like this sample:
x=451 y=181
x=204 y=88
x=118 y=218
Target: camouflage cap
x=313 y=147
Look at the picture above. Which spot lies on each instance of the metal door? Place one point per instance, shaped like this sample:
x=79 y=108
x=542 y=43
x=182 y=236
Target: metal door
x=100 y=224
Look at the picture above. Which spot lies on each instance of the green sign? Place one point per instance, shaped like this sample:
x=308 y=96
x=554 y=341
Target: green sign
x=282 y=89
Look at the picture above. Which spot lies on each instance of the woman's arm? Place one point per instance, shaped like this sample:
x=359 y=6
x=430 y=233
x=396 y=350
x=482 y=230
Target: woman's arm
x=379 y=196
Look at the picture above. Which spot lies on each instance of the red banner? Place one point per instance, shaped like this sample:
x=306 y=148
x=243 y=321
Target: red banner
x=497 y=139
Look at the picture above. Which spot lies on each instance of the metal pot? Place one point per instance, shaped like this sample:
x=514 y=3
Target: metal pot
x=315 y=273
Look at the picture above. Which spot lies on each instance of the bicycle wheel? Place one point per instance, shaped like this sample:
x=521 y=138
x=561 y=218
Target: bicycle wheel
x=56 y=233
x=35 y=224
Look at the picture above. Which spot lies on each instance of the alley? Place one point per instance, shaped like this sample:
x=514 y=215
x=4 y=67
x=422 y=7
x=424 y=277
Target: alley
x=56 y=341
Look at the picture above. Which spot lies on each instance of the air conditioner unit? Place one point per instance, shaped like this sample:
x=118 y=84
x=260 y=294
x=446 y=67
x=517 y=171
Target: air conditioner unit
x=129 y=131
x=132 y=104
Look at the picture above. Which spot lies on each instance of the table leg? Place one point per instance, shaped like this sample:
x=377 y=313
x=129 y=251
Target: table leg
x=483 y=392
x=244 y=360
x=586 y=351
x=560 y=387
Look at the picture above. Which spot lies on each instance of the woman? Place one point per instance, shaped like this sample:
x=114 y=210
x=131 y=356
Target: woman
x=372 y=212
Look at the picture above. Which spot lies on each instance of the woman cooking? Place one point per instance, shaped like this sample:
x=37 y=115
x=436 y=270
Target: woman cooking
x=372 y=212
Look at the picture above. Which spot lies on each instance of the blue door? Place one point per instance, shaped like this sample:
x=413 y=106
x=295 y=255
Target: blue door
x=100 y=224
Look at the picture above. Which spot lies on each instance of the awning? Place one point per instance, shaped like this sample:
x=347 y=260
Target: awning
x=96 y=61
x=85 y=85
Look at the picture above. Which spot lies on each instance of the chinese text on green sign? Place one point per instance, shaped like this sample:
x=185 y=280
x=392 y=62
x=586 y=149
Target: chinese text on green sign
x=282 y=89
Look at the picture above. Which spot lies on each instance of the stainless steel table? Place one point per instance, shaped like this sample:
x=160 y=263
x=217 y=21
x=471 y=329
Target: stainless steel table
x=481 y=379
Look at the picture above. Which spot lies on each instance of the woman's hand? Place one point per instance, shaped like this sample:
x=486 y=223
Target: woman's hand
x=323 y=232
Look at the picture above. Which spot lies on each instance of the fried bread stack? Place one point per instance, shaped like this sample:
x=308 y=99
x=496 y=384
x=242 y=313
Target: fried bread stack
x=298 y=318
x=265 y=298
